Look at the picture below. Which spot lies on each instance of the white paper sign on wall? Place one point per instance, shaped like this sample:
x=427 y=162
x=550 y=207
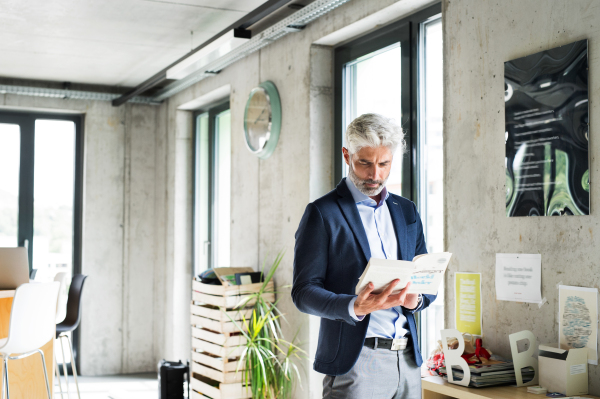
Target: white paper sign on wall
x=452 y=357
x=525 y=358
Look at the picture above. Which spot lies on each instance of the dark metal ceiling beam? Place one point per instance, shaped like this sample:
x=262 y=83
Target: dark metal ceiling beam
x=238 y=26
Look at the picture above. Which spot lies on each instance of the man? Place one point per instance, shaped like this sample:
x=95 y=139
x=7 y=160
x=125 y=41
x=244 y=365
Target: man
x=367 y=343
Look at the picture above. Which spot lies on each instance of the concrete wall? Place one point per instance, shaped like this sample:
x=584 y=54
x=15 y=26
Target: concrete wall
x=119 y=251
x=479 y=36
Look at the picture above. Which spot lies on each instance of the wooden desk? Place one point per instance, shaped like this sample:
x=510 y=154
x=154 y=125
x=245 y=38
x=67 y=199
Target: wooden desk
x=26 y=376
x=438 y=388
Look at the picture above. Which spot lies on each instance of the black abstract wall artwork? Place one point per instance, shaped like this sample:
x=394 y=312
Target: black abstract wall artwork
x=547 y=120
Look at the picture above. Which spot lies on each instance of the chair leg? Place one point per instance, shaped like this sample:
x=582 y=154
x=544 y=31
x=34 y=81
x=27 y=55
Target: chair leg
x=6 y=379
x=3 y=390
x=73 y=366
x=45 y=373
x=57 y=372
x=62 y=349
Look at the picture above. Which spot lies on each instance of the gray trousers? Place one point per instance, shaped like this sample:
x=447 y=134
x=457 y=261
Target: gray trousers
x=377 y=374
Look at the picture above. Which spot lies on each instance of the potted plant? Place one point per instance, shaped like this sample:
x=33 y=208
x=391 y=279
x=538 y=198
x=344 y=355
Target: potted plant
x=268 y=359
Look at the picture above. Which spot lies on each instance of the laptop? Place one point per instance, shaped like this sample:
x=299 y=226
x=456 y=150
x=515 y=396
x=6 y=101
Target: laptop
x=14 y=268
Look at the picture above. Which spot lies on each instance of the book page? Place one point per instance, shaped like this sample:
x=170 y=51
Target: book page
x=426 y=274
x=381 y=272
x=429 y=273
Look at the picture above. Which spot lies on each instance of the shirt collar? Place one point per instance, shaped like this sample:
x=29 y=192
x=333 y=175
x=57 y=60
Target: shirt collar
x=360 y=197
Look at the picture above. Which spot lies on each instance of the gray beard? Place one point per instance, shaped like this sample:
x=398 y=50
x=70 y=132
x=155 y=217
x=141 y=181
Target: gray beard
x=361 y=184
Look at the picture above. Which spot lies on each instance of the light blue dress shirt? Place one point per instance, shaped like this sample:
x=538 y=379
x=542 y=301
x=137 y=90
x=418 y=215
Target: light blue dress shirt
x=377 y=221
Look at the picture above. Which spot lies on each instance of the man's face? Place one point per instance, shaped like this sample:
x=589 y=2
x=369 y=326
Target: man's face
x=369 y=168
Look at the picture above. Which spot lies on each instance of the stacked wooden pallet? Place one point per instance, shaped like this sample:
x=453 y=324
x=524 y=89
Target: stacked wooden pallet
x=217 y=341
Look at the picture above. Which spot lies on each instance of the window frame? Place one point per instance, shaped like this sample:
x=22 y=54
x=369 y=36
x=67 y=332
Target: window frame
x=26 y=121
x=213 y=111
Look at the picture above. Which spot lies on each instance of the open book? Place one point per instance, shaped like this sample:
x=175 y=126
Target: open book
x=426 y=273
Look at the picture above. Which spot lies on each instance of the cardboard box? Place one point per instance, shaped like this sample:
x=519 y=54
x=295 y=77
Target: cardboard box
x=563 y=370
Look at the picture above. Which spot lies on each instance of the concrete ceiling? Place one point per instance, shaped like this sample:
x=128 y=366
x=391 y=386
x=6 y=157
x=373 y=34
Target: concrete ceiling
x=107 y=42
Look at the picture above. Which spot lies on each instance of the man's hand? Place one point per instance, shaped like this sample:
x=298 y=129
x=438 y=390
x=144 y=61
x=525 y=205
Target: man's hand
x=368 y=303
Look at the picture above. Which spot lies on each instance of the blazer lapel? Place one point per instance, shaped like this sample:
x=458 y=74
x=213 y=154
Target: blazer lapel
x=399 y=226
x=351 y=214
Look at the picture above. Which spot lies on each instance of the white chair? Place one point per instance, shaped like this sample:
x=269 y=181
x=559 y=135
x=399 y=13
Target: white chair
x=32 y=325
x=61 y=313
x=63 y=295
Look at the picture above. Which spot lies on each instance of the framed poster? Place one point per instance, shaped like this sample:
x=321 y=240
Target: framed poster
x=547 y=133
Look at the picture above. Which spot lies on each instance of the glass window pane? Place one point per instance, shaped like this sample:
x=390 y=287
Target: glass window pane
x=202 y=187
x=431 y=163
x=223 y=188
x=372 y=85
x=10 y=158
x=53 y=197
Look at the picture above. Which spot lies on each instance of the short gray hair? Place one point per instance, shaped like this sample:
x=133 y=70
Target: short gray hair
x=374 y=130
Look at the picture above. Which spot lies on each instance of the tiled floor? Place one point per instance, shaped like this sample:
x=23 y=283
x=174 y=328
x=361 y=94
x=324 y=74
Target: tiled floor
x=132 y=386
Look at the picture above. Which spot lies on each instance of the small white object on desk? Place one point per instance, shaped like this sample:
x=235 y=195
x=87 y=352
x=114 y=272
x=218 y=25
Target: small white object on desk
x=538 y=390
x=563 y=370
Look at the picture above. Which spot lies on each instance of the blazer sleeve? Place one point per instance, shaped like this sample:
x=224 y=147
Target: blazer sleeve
x=421 y=248
x=311 y=255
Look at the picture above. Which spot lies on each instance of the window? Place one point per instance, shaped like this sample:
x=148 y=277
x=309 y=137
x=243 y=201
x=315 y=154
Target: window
x=373 y=84
x=212 y=188
x=369 y=76
x=397 y=72
x=41 y=159
x=40 y=189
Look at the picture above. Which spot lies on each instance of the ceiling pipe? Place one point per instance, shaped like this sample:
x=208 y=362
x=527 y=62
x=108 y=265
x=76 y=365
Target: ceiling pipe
x=70 y=94
x=239 y=27
x=293 y=23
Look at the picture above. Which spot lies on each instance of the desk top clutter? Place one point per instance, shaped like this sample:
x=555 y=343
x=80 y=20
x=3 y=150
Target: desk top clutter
x=556 y=372
x=436 y=387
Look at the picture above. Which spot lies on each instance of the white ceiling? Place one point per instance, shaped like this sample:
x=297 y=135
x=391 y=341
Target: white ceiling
x=108 y=42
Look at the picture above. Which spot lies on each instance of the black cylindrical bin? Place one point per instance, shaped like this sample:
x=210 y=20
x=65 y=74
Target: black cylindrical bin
x=171 y=377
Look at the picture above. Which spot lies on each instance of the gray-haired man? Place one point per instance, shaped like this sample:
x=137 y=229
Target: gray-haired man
x=367 y=343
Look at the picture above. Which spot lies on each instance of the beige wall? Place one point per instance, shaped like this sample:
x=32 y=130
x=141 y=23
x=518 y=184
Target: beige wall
x=479 y=36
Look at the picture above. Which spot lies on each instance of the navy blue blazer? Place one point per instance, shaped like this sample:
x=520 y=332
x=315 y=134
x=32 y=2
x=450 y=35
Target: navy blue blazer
x=331 y=253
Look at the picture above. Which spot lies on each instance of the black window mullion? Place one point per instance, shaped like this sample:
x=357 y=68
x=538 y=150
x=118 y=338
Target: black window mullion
x=26 y=185
x=78 y=198
x=407 y=109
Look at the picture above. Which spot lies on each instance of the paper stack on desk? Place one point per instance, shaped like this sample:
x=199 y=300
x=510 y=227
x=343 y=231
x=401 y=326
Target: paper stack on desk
x=425 y=272
x=490 y=375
